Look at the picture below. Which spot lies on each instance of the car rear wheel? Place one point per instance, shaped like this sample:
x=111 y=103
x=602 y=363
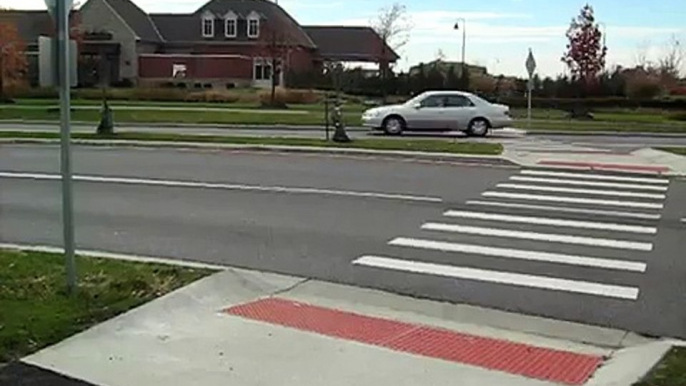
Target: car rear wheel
x=393 y=125
x=478 y=127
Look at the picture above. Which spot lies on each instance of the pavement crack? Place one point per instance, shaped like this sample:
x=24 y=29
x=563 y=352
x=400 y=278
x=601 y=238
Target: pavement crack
x=290 y=288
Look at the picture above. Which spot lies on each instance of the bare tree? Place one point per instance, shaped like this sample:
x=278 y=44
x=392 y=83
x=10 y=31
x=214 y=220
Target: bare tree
x=671 y=62
x=440 y=55
x=393 y=26
x=275 y=44
x=641 y=56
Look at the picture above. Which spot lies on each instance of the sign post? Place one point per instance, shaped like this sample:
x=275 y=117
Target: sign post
x=59 y=10
x=530 y=68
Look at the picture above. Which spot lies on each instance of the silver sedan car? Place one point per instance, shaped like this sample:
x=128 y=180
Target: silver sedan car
x=440 y=110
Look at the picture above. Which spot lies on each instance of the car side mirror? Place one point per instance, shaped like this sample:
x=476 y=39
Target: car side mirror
x=417 y=106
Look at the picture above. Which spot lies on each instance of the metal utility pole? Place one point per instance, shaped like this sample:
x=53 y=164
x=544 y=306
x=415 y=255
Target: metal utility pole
x=60 y=11
x=604 y=34
x=530 y=68
x=464 y=43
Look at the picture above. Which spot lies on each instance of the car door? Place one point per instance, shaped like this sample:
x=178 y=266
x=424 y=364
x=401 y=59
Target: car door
x=427 y=113
x=459 y=111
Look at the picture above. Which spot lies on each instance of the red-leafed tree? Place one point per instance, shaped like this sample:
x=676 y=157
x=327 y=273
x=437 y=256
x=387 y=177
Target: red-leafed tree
x=13 y=62
x=586 y=53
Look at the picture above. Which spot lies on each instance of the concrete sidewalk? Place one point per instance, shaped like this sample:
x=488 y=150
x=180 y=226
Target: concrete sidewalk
x=243 y=327
x=542 y=153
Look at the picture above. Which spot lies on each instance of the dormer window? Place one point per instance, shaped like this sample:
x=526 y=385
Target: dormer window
x=230 y=25
x=208 y=25
x=253 y=25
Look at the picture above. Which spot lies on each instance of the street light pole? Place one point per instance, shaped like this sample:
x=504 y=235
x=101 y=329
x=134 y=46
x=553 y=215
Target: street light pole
x=63 y=59
x=464 y=43
x=604 y=34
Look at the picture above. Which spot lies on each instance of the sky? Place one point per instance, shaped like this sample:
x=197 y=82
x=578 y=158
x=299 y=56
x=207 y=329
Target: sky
x=499 y=32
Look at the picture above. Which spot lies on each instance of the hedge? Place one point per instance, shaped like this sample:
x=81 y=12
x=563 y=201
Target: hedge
x=310 y=96
x=591 y=103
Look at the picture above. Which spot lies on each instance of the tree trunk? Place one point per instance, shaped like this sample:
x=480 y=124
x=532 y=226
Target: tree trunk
x=2 y=77
x=383 y=64
x=273 y=73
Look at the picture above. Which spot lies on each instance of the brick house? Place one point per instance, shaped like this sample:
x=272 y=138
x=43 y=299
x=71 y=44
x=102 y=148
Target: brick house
x=224 y=43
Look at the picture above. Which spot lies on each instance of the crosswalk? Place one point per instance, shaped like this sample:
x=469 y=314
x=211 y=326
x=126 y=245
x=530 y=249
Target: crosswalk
x=539 y=145
x=581 y=233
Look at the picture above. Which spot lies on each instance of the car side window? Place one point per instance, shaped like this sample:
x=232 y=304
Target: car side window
x=458 y=101
x=433 y=101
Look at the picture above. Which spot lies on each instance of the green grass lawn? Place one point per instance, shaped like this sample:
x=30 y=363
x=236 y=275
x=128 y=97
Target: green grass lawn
x=596 y=125
x=644 y=120
x=36 y=312
x=196 y=116
x=670 y=372
x=427 y=145
x=675 y=150
x=313 y=107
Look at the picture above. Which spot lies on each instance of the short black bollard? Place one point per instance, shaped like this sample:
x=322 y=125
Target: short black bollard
x=106 y=125
x=339 y=134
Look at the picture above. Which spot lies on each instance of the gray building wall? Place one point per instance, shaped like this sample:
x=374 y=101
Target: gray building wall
x=96 y=16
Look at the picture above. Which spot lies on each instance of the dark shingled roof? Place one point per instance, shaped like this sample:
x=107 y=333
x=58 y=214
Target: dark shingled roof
x=349 y=43
x=187 y=27
x=30 y=24
x=137 y=19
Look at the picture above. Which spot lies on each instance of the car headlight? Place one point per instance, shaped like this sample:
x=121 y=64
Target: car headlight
x=371 y=114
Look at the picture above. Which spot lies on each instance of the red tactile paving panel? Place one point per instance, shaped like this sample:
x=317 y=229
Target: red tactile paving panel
x=604 y=166
x=515 y=358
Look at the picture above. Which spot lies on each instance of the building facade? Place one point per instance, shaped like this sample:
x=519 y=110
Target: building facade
x=224 y=43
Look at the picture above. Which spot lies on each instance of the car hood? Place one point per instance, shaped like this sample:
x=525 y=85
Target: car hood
x=382 y=109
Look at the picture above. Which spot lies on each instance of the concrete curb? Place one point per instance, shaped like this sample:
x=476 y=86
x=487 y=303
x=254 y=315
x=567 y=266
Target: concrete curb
x=630 y=365
x=601 y=339
x=280 y=127
x=493 y=160
x=630 y=358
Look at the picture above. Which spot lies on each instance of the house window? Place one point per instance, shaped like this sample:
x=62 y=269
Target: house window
x=253 y=27
x=262 y=69
x=231 y=30
x=207 y=27
x=179 y=71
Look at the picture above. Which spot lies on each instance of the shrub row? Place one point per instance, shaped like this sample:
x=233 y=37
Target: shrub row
x=284 y=96
x=288 y=96
x=297 y=96
x=591 y=103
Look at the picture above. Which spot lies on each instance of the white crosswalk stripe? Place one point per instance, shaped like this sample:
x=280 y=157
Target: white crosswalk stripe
x=625 y=208
x=585 y=176
x=557 y=181
x=551 y=222
x=533 y=281
x=563 y=209
x=548 y=237
x=520 y=254
x=574 y=200
x=556 y=189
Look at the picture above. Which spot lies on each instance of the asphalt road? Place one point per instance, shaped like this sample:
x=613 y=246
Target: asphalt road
x=313 y=216
x=620 y=141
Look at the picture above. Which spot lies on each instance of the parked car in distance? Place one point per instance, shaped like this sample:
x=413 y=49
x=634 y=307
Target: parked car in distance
x=440 y=110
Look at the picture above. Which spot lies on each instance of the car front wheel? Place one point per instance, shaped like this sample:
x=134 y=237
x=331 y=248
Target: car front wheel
x=393 y=125
x=478 y=127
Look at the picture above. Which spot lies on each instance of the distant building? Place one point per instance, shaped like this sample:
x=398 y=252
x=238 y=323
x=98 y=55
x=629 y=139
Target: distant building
x=223 y=43
x=444 y=67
